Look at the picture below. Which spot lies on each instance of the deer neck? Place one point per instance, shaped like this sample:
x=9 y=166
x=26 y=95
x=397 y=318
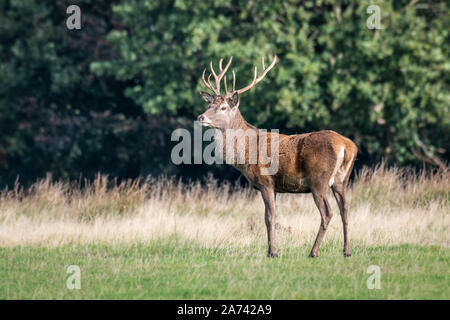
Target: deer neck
x=237 y=129
x=240 y=123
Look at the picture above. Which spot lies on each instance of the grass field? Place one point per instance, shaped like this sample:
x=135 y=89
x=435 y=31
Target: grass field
x=168 y=269
x=162 y=239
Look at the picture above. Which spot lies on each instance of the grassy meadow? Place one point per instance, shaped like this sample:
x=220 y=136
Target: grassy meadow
x=164 y=239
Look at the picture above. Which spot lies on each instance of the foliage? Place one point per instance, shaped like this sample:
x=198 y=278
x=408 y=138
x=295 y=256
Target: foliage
x=106 y=97
x=387 y=89
x=55 y=115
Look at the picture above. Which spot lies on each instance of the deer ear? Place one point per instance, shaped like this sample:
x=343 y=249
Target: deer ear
x=234 y=100
x=207 y=97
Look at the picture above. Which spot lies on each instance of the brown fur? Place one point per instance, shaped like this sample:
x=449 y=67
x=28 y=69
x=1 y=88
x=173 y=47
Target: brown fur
x=309 y=162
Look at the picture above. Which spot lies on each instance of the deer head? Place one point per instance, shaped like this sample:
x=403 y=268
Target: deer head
x=223 y=109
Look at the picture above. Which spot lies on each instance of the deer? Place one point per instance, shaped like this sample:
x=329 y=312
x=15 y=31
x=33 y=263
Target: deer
x=307 y=163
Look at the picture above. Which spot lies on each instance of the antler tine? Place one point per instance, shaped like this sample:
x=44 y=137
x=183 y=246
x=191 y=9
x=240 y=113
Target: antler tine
x=222 y=72
x=226 y=67
x=268 y=69
x=210 y=84
x=251 y=84
x=234 y=81
x=225 y=77
x=217 y=78
x=217 y=90
x=207 y=84
x=258 y=79
x=225 y=83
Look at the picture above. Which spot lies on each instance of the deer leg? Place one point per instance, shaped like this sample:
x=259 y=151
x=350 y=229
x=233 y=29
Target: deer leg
x=339 y=194
x=325 y=215
x=269 y=202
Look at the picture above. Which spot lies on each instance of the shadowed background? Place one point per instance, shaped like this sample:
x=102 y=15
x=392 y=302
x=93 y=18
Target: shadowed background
x=107 y=97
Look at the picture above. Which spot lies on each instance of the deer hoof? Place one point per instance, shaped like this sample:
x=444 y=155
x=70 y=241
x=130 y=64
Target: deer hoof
x=347 y=254
x=272 y=255
x=313 y=255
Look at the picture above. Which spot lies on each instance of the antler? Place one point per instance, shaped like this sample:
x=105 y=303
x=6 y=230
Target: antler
x=255 y=78
x=221 y=75
x=234 y=83
x=218 y=78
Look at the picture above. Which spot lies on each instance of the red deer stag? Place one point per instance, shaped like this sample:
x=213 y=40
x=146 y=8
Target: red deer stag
x=309 y=162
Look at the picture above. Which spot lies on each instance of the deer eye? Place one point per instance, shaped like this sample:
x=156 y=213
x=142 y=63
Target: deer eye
x=223 y=108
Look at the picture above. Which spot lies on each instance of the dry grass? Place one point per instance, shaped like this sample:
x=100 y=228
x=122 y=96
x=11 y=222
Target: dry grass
x=387 y=207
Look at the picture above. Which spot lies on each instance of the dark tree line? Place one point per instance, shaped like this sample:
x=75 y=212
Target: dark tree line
x=107 y=97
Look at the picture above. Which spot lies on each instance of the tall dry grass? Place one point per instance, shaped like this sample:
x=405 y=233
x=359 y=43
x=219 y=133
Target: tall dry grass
x=386 y=207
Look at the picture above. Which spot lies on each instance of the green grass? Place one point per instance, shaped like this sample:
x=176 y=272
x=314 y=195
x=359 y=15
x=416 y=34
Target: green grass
x=172 y=269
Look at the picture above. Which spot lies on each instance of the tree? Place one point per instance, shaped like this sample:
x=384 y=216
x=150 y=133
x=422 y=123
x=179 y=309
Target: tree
x=55 y=115
x=387 y=89
x=106 y=97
